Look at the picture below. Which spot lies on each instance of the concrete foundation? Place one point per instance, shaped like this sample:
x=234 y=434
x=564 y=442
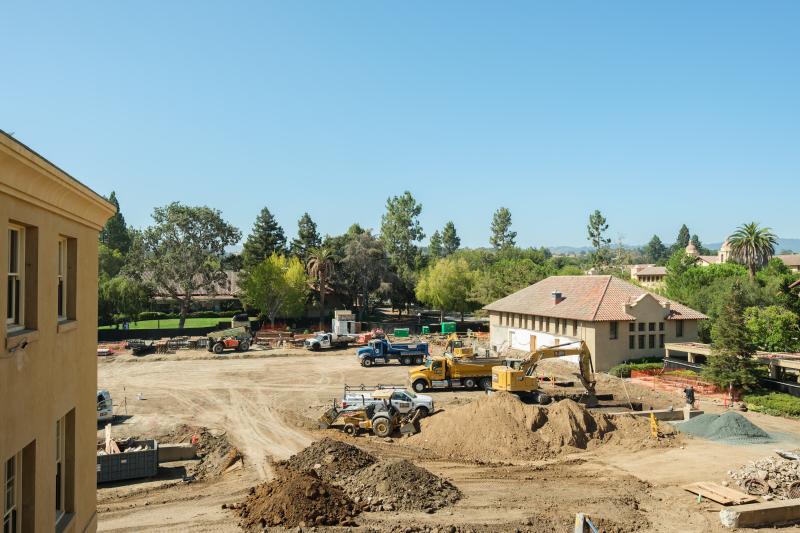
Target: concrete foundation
x=176 y=452
x=761 y=514
x=666 y=415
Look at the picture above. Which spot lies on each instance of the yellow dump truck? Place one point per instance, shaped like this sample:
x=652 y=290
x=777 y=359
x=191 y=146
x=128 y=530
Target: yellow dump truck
x=453 y=372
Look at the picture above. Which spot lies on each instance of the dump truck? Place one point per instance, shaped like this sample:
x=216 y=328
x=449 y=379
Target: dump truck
x=229 y=339
x=453 y=372
x=383 y=351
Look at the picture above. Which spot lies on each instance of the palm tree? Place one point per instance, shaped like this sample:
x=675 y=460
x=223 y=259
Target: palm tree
x=752 y=246
x=320 y=265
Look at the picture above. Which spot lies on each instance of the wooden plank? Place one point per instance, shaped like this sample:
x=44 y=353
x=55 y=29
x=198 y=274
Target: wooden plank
x=718 y=493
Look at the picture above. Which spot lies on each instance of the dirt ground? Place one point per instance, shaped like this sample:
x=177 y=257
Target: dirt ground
x=266 y=403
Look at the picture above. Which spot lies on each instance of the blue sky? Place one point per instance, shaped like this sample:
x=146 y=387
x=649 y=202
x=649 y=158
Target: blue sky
x=656 y=113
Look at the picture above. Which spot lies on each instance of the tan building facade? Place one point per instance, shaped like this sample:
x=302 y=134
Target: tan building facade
x=48 y=339
x=650 y=276
x=617 y=320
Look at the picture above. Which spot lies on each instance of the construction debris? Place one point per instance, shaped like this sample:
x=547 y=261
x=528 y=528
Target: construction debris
x=777 y=478
x=332 y=460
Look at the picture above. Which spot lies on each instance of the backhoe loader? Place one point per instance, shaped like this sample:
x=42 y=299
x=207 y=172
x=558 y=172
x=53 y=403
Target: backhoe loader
x=518 y=377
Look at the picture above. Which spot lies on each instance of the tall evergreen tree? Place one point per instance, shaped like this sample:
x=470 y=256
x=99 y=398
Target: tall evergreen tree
x=115 y=234
x=683 y=237
x=655 y=251
x=596 y=235
x=731 y=363
x=435 y=249
x=266 y=239
x=307 y=237
x=502 y=237
x=401 y=230
x=450 y=239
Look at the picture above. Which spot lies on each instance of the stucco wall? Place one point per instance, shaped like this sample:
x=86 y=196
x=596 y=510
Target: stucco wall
x=57 y=371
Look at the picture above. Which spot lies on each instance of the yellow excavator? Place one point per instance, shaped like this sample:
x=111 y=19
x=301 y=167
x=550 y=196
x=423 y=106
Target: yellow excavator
x=517 y=375
x=457 y=348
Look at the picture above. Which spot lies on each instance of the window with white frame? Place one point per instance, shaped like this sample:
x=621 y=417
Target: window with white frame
x=62 y=278
x=11 y=522
x=60 y=474
x=15 y=305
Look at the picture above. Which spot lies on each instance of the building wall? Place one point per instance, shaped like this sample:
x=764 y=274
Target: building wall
x=606 y=352
x=55 y=375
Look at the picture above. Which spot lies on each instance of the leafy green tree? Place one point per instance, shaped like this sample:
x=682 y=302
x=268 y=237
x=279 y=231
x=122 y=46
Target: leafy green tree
x=267 y=238
x=321 y=264
x=401 y=230
x=446 y=286
x=450 y=239
x=181 y=253
x=507 y=276
x=233 y=262
x=773 y=328
x=752 y=246
x=501 y=235
x=435 y=250
x=366 y=265
x=278 y=286
x=111 y=260
x=596 y=235
x=115 y=234
x=307 y=238
x=731 y=363
x=655 y=251
x=122 y=297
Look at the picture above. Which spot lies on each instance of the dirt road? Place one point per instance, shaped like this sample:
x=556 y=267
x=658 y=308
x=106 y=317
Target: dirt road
x=268 y=406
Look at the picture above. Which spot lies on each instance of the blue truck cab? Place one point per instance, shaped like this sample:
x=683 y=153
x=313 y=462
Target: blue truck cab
x=383 y=351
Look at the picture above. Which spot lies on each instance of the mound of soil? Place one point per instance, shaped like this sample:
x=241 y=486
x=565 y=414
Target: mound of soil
x=332 y=460
x=501 y=427
x=400 y=484
x=296 y=499
x=729 y=426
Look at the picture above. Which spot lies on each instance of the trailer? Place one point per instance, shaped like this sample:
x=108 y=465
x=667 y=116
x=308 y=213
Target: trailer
x=383 y=351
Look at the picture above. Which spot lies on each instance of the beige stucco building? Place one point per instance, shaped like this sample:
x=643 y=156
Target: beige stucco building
x=617 y=319
x=48 y=340
x=792 y=261
x=650 y=276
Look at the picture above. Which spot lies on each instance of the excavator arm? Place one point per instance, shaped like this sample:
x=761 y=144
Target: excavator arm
x=585 y=366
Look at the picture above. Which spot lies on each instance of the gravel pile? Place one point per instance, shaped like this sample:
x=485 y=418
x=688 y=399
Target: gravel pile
x=778 y=478
x=728 y=427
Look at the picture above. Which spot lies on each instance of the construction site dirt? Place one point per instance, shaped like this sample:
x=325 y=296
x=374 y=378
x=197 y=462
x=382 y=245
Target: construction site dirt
x=264 y=404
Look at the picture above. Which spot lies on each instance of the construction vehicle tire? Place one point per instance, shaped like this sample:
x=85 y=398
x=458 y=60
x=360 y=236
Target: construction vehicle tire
x=485 y=383
x=469 y=383
x=366 y=362
x=419 y=360
x=218 y=348
x=244 y=346
x=406 y=360
x=381 y=426
x=315 y=347
x=350 y=429
x=543 y=399
x=419 y=386
x=423 y=411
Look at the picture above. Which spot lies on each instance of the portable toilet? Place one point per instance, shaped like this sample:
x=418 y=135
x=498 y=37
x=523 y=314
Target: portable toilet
x=426 y=330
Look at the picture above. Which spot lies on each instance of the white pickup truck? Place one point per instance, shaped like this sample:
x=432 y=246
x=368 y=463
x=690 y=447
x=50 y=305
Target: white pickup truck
x=401 y=399
x=323 y=341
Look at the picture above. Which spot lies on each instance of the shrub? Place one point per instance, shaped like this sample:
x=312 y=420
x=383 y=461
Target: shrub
x=624 y=370
x=153 y=315
x=204 y=314
x=774 y=403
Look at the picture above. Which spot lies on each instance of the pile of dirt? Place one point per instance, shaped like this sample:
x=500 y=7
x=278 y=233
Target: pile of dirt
x=501 y=427
x=214 y=452
x=727 y=427
x=296 y=499
x=332 y=460
x=401 y=485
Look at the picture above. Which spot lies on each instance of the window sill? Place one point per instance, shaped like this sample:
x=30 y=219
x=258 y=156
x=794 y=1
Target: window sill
x=64 y=522
x=15 y=339
x=67 y=325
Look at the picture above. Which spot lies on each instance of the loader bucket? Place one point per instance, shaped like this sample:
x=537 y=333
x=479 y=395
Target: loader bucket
x=410 y=428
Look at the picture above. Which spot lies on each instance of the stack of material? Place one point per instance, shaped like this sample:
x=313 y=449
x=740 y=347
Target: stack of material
x=777 y=478
x=728 y=427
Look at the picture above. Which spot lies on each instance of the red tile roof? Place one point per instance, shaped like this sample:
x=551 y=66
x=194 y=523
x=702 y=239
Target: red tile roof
x=589 y=298
x=652 y=271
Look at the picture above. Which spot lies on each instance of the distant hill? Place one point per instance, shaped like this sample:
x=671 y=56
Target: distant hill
x=783 y=244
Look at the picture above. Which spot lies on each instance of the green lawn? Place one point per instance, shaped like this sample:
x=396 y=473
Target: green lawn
x=171 y=323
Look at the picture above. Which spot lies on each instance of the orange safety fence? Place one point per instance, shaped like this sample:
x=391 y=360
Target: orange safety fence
x=669 y=382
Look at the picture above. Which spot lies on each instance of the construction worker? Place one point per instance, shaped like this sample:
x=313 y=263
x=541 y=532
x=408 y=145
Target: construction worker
x=688 y=393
